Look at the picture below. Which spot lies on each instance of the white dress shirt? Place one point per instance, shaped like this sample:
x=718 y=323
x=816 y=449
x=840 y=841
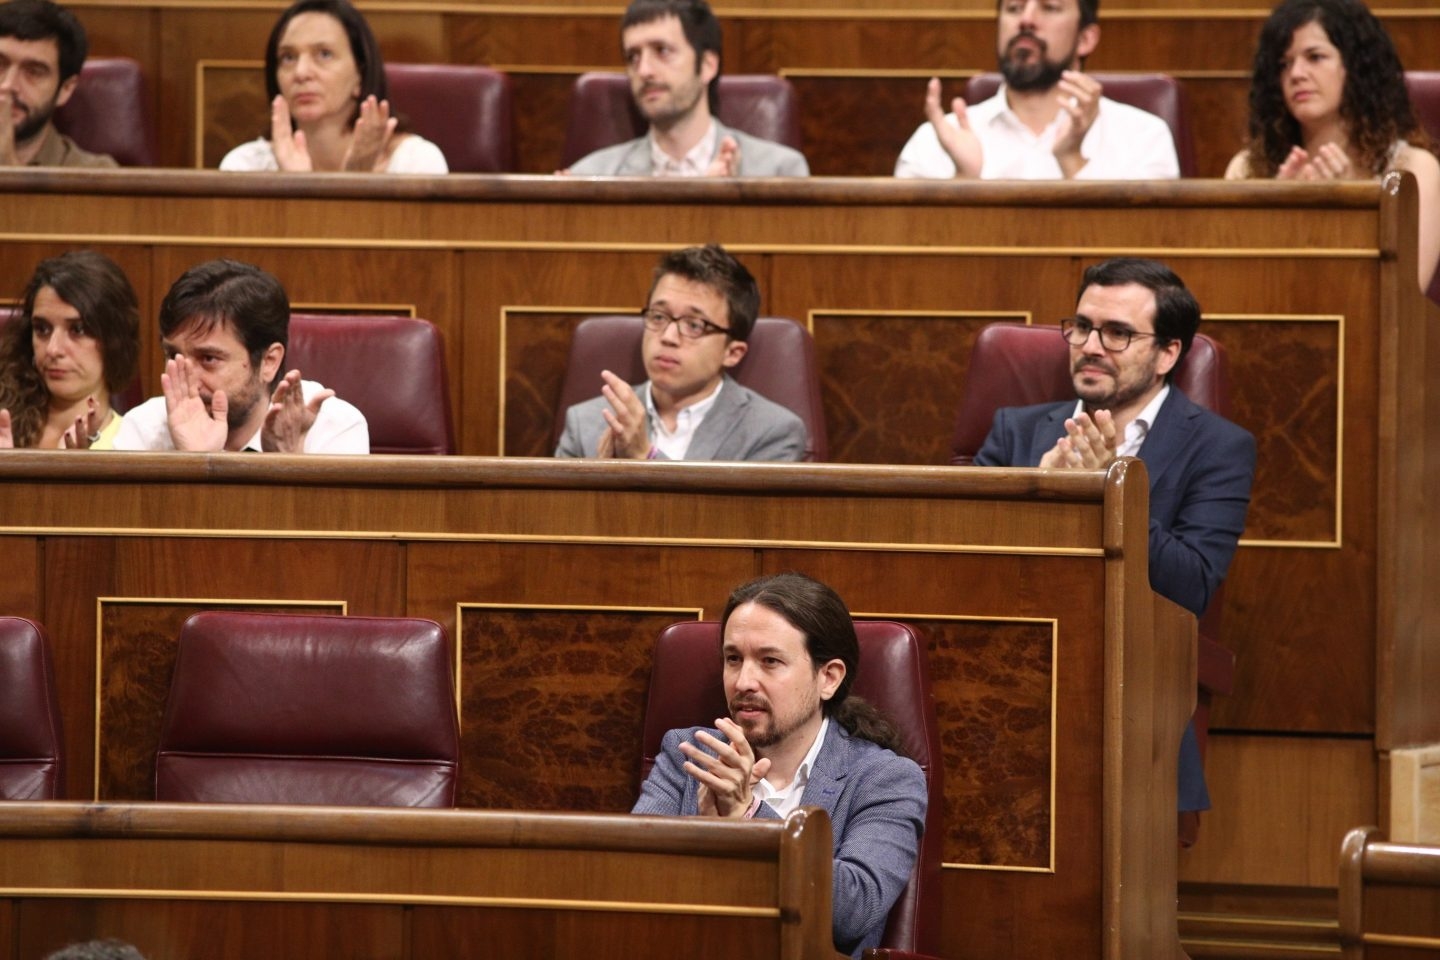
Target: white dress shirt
x=786 y=800
x=675 y=444
x=338 y=427
x=1124 y=143
x=1138 y=429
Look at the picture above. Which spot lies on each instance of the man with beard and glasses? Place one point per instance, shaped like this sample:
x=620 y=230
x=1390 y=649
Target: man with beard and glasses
x=42 y=47
x=796 y=735
x=224 y=326
x=1134 y=321
x=672 y=57
x=1048 y=121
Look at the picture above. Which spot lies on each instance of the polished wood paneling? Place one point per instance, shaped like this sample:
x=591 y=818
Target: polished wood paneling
x=559 y=690
x=1260 y=785
x=554 y=579
x=293 y=882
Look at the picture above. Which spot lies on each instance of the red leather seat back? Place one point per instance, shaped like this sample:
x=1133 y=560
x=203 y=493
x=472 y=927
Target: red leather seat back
x=686 y=689
x=109 y=112
x=1015 y=365
x=1424 y=88
x=391 y=368
x=463 y=110
x=1155 y=93
x=602 y=112
x=268 y=708
x=121 y=402
x=32 y=756
x=779 y=365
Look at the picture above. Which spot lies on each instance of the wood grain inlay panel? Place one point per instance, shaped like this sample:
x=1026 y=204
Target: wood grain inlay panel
x=552 y=706
x=993 y=682
x=891 y=384
x=137 y=658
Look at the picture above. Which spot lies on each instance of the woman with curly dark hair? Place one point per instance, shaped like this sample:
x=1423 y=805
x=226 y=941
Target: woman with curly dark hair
x=1328 y=102
x=75 y=344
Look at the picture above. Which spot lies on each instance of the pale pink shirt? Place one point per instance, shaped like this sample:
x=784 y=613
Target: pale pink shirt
x=687 y=420
x=693 y=164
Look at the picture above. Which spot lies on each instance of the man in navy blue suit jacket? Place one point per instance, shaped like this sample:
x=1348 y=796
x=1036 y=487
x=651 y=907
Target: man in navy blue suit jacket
x=1134 y=321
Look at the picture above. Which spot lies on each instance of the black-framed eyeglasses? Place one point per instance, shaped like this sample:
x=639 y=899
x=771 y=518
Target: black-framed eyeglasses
x=691 y=328
x=1113 y=336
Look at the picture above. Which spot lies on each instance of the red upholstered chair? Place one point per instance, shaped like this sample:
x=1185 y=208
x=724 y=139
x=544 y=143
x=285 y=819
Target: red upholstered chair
x=1015 y=365
x=271 y=708
x=121 y=402
x=779 y=365
x=463 y=110
x=1154 y=93
x=392 y=368
x=1424 y=87
x=602 y=112
x=686 y=690
x=32 y=762
x=109 y=112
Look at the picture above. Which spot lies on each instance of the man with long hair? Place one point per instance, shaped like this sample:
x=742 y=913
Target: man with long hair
x=796 y=735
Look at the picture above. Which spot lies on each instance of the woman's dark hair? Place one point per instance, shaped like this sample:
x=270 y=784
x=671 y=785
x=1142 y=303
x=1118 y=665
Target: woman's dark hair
x=101 y=293
x=363 y=48
x=1375 y=105
x=818 y=612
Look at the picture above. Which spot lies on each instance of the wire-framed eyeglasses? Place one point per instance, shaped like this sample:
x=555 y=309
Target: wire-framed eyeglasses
x=1113 y=336
x=691 y=328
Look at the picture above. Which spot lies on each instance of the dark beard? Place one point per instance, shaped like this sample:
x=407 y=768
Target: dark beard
x=1032 y=73
x=34 y=123
x=1037 y=74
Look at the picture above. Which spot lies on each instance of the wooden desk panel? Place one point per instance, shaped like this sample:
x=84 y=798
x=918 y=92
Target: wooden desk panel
x=297 y=882
x=554 y=578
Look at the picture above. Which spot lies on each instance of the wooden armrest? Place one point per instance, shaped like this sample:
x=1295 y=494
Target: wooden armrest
x=1215 y=670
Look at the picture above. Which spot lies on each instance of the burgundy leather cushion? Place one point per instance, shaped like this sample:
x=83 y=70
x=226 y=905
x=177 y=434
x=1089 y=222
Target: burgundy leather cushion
x=31 y=751
x=1015 y=365
x=602 y=112
x=391 y=368
x=1424 y=87
x=122 y=401
x=779 y=365
x=268 y=708
x=109 y=112
x=1155 y=93
x=686 y=690
x=463 y=110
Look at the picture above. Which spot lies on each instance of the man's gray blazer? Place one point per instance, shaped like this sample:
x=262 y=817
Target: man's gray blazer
x=758 y=158
x=741 y=426
x=876 y=802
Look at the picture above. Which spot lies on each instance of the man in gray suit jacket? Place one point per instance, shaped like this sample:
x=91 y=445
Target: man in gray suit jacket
x=702 y=307
x=672 y=57
x=796 y=736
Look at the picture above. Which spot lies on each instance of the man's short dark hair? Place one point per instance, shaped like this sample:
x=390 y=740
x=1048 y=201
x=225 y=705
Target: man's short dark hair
x=1089 y=11
x=97 y=950
x=43 y=20
x=697 y=20
x=1177 y=312
x=715 y=268
x=230 y=293
x=818 y=612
